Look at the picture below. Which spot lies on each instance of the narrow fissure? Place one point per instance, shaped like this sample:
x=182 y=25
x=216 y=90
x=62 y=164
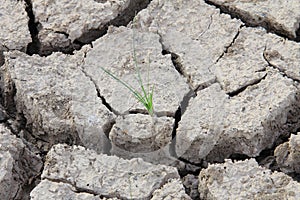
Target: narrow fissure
x=208 y=27
x=129 y=13
x=174 y=58
x=298 y=34
x=34 y=46
x=78 y=189
x=277 y=68
x=103 y=100
x=230 y=45
x=172 y=149
x=240 y=90
x=178 y=114
x=177 y=65
x=191 y=168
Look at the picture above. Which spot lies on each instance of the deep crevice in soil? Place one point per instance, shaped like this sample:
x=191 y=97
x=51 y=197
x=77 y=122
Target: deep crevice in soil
x=298 y=34
x=176 y=60
x=34 y=46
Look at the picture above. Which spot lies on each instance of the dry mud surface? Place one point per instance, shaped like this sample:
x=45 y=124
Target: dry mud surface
x=225 y=76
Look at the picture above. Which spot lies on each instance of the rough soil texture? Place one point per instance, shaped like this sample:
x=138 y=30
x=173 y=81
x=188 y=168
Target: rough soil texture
x=288 y=155
x=245 y=180
x=19 y=165
x=225 y=78
x=13 y=23
x=105 y=175
x=266 y=13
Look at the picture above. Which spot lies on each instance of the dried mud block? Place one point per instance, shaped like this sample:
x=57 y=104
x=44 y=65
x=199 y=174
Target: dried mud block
x=108 y=176
x=64 y=24
x=288 y=155
x=200 y=126
x=243 y=64
x=59 y=190
x=141 y=133
x=253 y=50
x=14 y=24
x=143 y=136
x=216 y=126
x=245 y=180
x=194 y=32
x=59 y=102
x=115 y=52
x=280 y=16
x=284 y=55
x=171 y=190
x=19 y=166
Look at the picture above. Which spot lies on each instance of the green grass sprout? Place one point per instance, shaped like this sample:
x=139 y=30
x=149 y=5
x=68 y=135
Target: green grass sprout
x=145 y=97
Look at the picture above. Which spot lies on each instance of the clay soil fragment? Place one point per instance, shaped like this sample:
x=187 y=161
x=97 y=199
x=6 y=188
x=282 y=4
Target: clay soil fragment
x=288 y=155
x=66 y=24
x=19 y=166
x=14 y=24
x=195 y=33
x=245 y=180
x=108 y=176
x=280 y=16
x=58 y=101
x=115 y=52
x=143 y=136
x=216 y=126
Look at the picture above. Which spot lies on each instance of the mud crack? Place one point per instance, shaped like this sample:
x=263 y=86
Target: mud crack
x=78 y=189
x=34 y=46
x=230 y=45
x=251 y=21
x=240 y=90
x=282 y=71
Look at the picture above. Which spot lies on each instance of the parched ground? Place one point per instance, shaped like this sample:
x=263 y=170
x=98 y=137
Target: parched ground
x=225 y=77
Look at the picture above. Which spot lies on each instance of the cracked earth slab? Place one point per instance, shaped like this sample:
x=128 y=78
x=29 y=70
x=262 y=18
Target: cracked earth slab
x=243 y=64
x=115 y=52
x=108 y=176
x=171 y=190
x=59 y=190
x=143 y=136
x=284 y=55
x=216 y=126
x=245 y=180
x=14 y=24
x=62 y=24
x=246 y=59
x=19 y=165
x=192 y=30
x=282 y=16
x=58 y=101
x=288 y=155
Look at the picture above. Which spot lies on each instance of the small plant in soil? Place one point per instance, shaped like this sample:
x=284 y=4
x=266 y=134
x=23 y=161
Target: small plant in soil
x=145 y=94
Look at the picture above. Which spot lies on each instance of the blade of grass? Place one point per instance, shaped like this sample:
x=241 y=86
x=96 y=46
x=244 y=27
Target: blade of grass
x=145 y=99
